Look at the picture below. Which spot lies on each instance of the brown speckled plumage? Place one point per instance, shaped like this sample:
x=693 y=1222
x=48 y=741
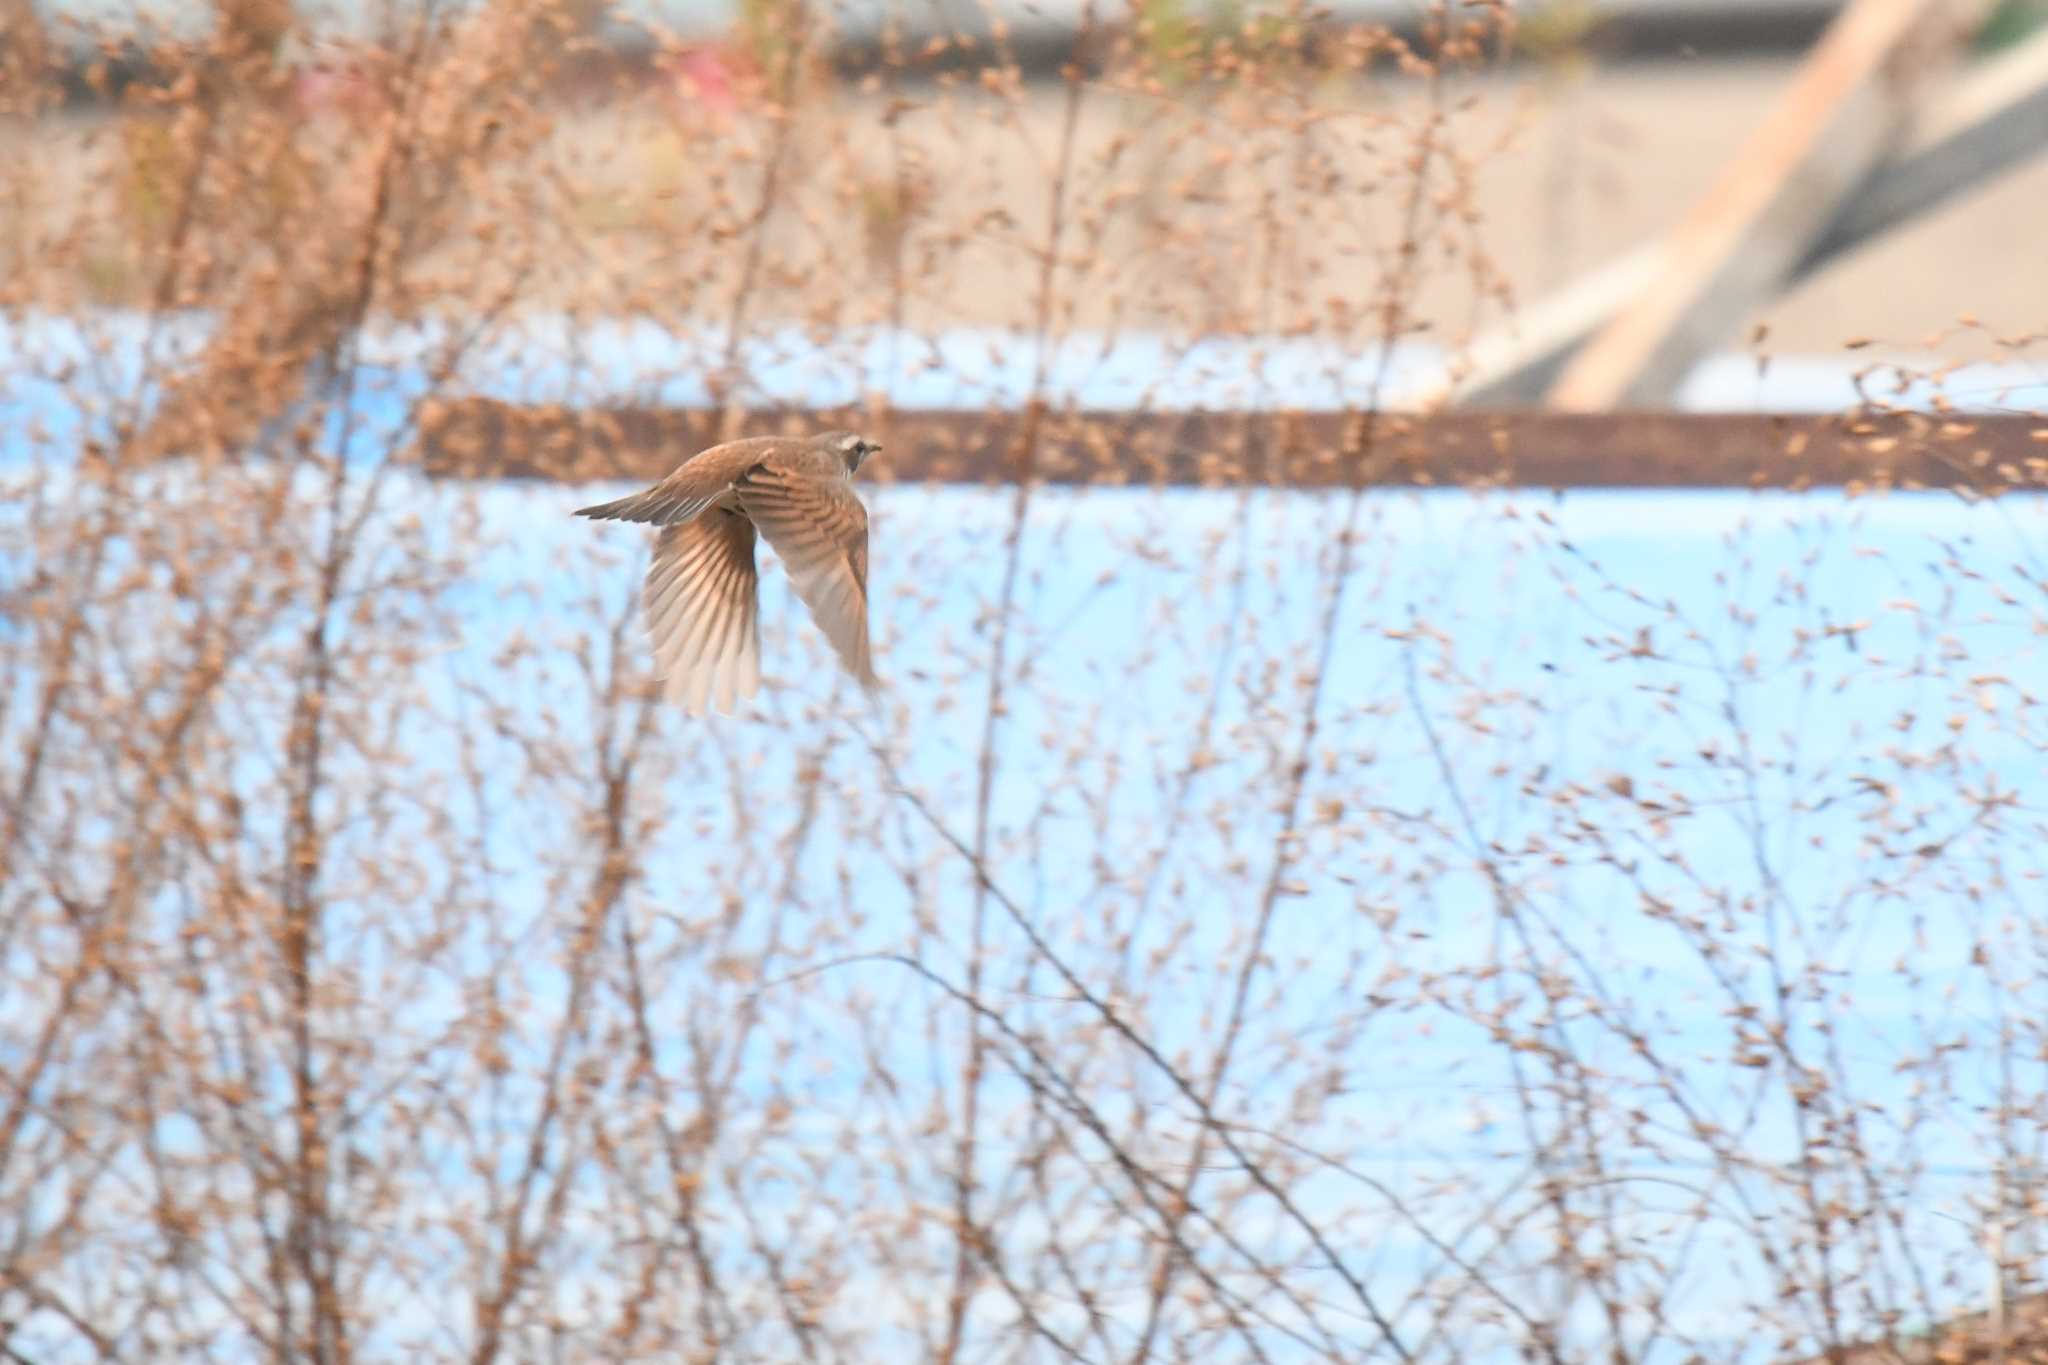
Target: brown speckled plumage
x=701 y=594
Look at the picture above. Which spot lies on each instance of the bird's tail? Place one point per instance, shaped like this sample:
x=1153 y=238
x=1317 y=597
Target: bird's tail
x=661 y=505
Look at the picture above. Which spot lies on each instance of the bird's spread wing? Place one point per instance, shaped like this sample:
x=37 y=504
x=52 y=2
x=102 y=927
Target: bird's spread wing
x=820 y=529
x=702 y=611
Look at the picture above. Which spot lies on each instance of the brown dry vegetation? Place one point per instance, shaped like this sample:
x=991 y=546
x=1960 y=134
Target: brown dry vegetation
x=384 y=974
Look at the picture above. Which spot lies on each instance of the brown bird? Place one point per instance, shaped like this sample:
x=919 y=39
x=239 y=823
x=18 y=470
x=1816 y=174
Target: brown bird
x=701 y=595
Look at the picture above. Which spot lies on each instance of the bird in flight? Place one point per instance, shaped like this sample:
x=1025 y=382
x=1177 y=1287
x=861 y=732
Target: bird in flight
x=701 y=594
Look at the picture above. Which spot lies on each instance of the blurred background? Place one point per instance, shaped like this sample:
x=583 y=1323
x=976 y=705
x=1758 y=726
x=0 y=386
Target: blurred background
x=1461 y=592
x=1584 y=131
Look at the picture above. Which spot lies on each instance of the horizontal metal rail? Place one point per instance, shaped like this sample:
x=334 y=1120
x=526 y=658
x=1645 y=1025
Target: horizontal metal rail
x=1995 y=453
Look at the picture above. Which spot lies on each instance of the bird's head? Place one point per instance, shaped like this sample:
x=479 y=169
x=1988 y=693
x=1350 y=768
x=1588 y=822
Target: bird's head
x=850 y=447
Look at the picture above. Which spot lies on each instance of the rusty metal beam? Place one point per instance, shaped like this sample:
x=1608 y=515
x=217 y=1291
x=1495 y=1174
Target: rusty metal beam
x=480 y=438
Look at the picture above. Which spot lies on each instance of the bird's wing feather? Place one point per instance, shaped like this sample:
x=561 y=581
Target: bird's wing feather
x=820 y=529
x=696 y=484
x=701 y=601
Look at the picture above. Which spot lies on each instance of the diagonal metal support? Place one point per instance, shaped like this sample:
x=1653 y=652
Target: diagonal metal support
x=1990 y=121
x=1841 y=115
x=1994 y=119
